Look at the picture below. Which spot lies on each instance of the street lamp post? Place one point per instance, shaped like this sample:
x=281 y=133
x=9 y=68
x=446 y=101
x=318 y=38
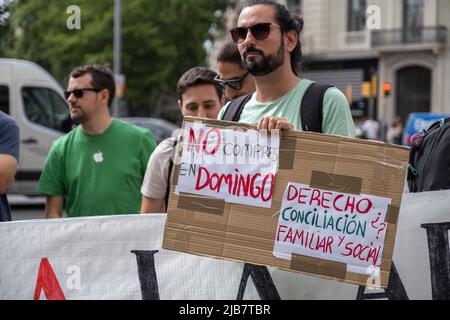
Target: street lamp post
x=117 y=50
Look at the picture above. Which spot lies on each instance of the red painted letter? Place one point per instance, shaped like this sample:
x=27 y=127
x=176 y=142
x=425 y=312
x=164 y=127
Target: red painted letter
x=218 y=142
x=197 y=142
x=48 y=282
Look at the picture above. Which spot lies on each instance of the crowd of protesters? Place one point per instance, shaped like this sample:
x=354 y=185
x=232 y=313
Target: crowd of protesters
x=105 y=166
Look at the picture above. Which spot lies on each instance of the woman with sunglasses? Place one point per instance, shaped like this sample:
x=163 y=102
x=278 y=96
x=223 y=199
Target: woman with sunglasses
x=233 y=78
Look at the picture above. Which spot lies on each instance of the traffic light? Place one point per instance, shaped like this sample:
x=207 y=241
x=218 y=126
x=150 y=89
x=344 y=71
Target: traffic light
x=366 y=89
x=374 y=85
x=387 y=89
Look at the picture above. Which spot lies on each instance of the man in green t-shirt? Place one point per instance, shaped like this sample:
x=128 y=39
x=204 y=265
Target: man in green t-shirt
x=268 y=39
x=98 y=167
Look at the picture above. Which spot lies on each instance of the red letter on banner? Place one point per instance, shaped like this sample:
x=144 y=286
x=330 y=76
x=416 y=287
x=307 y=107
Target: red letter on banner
x=48 y=282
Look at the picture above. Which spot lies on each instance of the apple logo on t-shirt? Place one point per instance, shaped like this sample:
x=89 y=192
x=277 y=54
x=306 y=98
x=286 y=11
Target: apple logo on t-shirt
x=98 y=157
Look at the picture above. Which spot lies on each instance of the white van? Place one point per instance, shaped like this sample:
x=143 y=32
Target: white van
x=35 y=100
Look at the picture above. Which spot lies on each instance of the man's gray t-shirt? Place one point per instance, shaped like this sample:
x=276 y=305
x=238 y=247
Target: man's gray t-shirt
x=10 y=145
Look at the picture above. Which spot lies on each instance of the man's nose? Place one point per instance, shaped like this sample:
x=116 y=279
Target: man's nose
x=249 y=40
x=202 y=113
x=72 y=99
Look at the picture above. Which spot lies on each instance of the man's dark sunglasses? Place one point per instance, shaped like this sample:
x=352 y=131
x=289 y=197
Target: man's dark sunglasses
x=79 y=92
x=235 y=83
x=260 y=31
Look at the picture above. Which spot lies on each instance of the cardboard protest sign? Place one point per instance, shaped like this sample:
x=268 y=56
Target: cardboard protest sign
x=362 y=178
x=236 y=166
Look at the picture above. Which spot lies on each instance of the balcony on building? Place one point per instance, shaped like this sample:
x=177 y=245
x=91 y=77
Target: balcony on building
x=423 y=38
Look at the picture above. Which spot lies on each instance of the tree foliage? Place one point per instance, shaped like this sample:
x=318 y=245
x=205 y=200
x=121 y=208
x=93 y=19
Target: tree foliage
x=160 y=39
x=4 y=25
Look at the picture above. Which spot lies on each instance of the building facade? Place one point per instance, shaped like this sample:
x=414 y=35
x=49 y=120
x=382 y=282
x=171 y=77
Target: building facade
x=361 y=46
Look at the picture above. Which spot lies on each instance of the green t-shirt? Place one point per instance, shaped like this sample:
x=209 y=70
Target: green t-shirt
x=101 y=174
x=337 y=118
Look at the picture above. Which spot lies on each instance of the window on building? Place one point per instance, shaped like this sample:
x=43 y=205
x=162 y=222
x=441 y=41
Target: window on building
x=294 y=6
x=4 y=99
x=412 y=14
x=412 y=21
x=356 y=12
x=413 y=90
x=45 y=107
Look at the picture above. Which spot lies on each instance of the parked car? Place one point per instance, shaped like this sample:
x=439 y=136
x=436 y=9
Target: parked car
x=159 y=128
x=418 y=121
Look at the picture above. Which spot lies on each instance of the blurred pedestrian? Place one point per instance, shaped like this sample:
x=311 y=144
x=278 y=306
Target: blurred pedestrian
x=233 y=78
x=9 y=157
x=371 y=128
x=98 y=167
x=199 y=95
x=268 y=39
x=395 y=131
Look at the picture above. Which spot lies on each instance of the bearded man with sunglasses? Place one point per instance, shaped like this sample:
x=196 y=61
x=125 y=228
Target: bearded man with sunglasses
x=268 y=39
x=98 y=167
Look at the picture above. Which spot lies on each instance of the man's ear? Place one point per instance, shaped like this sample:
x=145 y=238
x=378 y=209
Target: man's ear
x=222 y=100
x=291 y=40
x=180 y=104
x=104 y=95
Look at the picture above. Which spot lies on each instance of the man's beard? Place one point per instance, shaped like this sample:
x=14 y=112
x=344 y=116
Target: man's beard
x=77 y=115
x=264 y=65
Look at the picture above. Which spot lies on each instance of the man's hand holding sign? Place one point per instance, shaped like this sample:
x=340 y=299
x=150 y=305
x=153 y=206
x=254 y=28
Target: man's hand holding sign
x=274 y=123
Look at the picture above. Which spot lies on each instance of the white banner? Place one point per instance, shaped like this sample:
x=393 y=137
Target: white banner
x=120 y=257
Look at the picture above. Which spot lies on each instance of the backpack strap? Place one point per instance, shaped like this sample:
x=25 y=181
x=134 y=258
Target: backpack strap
x=234 y=110
x=412 y=172
x=438 y=123
x=311 y=109
x=172 y=156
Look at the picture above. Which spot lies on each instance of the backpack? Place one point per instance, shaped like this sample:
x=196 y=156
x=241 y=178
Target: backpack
x=429 y=158
x=311 y=108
